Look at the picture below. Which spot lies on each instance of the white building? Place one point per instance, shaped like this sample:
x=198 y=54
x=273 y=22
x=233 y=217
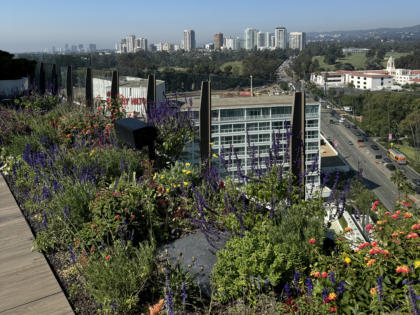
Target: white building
x=177 y=47
x=134 y=91
x=273 y=41
x=168 y=47
x=209 y=46
x=263 y=40
x=159 y=46
x=231 y=117
x=354 y=50
x=402 y=76
x=280 y=35
x=250 y=38
x=189 y=40
x=240 y=43
x=297 y=40
x=130 y=43
x=231 y=43
x=140 y=44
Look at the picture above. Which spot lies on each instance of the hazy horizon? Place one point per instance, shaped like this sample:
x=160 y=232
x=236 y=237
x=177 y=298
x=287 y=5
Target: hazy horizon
x=46 y=23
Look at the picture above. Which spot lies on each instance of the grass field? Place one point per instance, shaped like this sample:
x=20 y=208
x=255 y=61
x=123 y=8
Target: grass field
x=356 y=59
x=233 y=64
x=96 y=73
x=408 y=151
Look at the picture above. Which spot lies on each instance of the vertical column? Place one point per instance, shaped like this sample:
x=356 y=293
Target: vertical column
x=115 y=85
x=297 y=144
x=89 y=87
x=54 y=78
x=151 y=92
x=69 y=85
x=42 y=79
x=205 y=121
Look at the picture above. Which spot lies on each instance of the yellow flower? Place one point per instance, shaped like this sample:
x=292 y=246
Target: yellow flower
x=185 y=183
x=91 y=152
x=214 y=155
x=179 y=185
x=187 y=164
x=184 y=171
x=416 y=264
x=189 y=172
x=162 y=177
x=154 y=176
x=348 y=260
x=211 y=143
x=167 y=189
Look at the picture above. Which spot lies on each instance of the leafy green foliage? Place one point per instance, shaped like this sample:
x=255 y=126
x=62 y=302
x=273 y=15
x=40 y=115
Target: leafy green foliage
x=179 y=173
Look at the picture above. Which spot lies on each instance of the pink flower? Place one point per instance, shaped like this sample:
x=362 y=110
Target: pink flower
x=107 y=257
x=374 y=208
x=312 y=241
x=133 y=216
x=369 y=227
x=117 y=217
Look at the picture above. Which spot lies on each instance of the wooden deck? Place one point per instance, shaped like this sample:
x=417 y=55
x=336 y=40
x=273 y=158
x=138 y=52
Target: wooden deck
x=27 y=284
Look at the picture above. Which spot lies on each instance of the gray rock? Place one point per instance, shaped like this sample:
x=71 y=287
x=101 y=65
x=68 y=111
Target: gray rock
x=197 y=246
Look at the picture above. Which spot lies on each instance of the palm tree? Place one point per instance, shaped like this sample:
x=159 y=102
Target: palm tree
x=398 y=178
x=407 y=188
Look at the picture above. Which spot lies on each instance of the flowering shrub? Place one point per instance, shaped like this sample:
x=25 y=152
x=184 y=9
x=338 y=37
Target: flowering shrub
x=11 y=126
x=180 y=173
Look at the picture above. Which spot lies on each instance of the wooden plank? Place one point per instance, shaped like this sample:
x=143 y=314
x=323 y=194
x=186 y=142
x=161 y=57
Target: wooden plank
x=27 y=284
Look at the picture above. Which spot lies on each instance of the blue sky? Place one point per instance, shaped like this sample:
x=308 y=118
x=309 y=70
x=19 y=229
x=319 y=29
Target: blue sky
x=35 y=25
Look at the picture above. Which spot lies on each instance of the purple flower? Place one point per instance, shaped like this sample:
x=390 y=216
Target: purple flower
x=287 y=289
x=325 y=294
x=309 y=286
x=332 y=275
x=341 y=288
x=296 y=278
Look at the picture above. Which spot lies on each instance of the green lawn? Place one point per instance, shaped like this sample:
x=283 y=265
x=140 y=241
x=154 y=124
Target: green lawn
x=408 y=151
x=96 y=73
x=233 y=64
x=356 y=59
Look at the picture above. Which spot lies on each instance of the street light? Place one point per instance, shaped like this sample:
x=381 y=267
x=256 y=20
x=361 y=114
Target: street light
x=251 y=85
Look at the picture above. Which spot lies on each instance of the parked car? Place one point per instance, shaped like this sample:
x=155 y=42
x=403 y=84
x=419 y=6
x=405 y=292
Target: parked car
x=348 y=126
x=331 y=121
x=342 y=120
x=365 y=139
x=358 y=134
x=416 y=181
x=417 y=190
x=374 y=147
x=328 y=106
x=349 y=143
x=391 y=167
x=387 y=160
x=354 y=127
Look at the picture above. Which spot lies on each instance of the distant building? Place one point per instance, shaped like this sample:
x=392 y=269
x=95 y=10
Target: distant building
x=280 y=35
x=116 y=47
x=130 y=43
x=250 y=38
x=177 y=47
x=354 y=50
x=152 y=47
x=218 y=41
x=263 y=40
x=273 y=41
x=240 y=43
x=80 y=46
x=66 y=47
x=140 y=44
x=189 y=40
x=297 y=40
x=123 y=41
x=92 y=47
x=402 y=76
x=159 y=46
x=168 y=47
x=231 y=43
x=73 y=48
x=53 y=49
x=209 y=46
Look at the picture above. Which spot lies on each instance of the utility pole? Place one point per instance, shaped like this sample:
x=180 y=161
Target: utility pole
x=251 y=85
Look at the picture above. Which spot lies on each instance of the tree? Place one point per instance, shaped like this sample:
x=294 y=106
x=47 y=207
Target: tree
x=347 y=66
x=407 y=188
x=348 y=54
x=398 y=178
x=284 y=86
x=351 y=85
x=370 y=54
x=235 y=72
x=381 y=53
x=227 y=70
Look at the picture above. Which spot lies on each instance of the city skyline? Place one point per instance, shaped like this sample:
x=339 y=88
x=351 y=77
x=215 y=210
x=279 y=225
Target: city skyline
x=163 y=25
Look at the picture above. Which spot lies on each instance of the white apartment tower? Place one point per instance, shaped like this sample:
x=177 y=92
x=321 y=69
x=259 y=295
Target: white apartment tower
x=250 y=38
x=280 y=35
x=297 y=40
x=130 y=39
x=231 y=43
x=189 y=40
x=263 y=40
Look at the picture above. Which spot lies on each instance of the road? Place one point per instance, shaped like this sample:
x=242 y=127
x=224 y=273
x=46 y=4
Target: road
x=376 y=177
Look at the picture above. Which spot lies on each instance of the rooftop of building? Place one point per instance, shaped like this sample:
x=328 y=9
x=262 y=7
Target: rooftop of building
x=235 y=102
x=361 y=73
x=415 y=80
x=329 y=156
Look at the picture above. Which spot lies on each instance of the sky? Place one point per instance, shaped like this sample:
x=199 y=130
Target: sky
x=35 y=25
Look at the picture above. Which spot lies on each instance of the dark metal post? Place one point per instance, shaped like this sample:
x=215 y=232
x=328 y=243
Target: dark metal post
x=69 y=84
x=297 y=145
x=205 y=121
x=54 y=79
x=115 y=85
x=42 y=79
x=151 y=92
x=89 y=87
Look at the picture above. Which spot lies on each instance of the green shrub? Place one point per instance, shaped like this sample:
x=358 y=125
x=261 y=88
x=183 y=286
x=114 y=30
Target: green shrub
x=116 y=276
x=179 y=173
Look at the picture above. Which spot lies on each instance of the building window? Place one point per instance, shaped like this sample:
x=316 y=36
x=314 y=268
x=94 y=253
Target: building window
x=312 y=134
x=364 y=87
x=277 y=124
x=238 y=139
x=364 y=79
x=358 y=86
x=215 y=140
x=311 y=109
x=225 y=128
x=312 y=123
x=264 y=126
x=358 y=82
x=226 y=140
x=239 y=150
x=364 y=82
x=231 y=114
x=312 y=145
x=310 y=157
x=264 y=148
x=283 y=111
x=358 y=77
x=252 y=126
x=264 y=137
x=382 y=83
x=214 y=128
x=238 y=127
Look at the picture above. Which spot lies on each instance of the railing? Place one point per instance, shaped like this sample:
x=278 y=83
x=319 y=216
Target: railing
x=257 y=117
x=232 y=118
x=281 y=116
x=311 y=115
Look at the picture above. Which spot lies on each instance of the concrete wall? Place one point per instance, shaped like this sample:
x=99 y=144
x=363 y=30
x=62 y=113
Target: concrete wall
x=9 y=87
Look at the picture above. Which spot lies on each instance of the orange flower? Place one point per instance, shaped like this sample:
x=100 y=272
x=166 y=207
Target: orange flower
x=312 y=241
x=403 y=269
x=316 y=274
x=371 y=262
x=394 y=234
x=332 y=296
x=68 y=136
x=373 y=291
x=416 y=227
x=324 y=274
x=407 y=215
x=156 y=309
x=347 y=229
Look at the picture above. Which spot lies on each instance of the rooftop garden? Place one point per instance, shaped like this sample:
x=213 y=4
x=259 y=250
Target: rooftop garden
x=102 y=211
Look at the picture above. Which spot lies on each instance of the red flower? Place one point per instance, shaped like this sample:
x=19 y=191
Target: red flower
x=374 y=208
x=92 y=248
x=117 y=217
x=324 y=274
x=333 y=309
x=376 y=203
x=369 y=227
x=77 y=243
x=222 y=184
x=394 y=216
x=107 y=257
x=133 y=216
x=312 y=241
x=290 y=303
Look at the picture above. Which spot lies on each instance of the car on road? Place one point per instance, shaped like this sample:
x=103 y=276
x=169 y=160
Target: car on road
x=416 y=181
x=365 y=139
x=358 y=134
x=354 y=127
x=328 y=106
x=342 y=120
x=387 y=160
x=374 y=147
x=348 y=126
x=349 y=143
x=332 y=121
x=391 y=167
x=417 y=190
x=332 y=112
